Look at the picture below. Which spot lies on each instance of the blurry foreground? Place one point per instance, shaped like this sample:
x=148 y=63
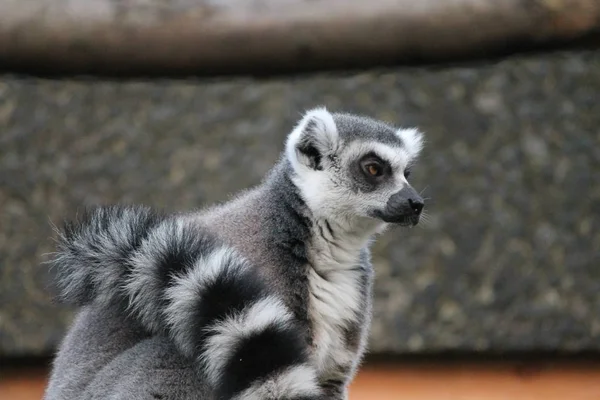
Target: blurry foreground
x=417 y=382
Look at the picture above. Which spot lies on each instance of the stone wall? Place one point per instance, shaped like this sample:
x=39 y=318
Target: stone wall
x=508 y=259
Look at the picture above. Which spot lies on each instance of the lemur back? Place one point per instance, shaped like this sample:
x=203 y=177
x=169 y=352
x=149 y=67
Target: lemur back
x=267 y=296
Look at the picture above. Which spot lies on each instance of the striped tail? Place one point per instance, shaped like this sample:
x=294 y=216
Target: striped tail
x=179 y=280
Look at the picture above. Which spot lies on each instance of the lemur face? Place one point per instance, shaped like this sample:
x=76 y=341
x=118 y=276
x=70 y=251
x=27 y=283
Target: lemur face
x=349 y=167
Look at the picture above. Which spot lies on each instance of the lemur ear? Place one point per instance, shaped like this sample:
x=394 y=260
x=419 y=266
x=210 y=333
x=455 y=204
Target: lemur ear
x=313 y=137
x=412 y=139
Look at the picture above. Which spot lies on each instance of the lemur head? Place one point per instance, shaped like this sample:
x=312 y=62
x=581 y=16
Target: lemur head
x=352 y=168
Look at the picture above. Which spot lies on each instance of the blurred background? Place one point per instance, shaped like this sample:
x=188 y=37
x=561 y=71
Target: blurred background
x=180 y=103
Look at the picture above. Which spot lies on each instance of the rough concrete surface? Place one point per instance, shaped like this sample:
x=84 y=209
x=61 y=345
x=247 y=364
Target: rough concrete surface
x=508 y=260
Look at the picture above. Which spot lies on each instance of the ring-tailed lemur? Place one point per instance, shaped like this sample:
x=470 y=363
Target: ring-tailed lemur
x=267 y=296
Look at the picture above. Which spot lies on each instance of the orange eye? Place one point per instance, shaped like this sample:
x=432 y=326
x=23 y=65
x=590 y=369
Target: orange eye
x=373 y=169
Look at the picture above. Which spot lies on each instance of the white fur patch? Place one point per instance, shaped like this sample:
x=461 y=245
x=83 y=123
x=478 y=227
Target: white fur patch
x=335 y=294
x=396 y=156
x=325 y=132
x=334 y=302
x=296 y=381
x=183 y=294
x=227 y=334
x=413 y=141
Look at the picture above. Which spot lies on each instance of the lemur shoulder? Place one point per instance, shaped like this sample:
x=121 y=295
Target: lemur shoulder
x=267 y=296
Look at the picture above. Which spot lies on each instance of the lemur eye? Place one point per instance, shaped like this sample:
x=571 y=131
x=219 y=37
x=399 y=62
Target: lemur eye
x=374 y=166
x=374 y=169
x=407 y=173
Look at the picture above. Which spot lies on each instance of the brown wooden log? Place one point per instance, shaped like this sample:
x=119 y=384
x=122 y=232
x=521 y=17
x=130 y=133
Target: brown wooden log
x=242 y=36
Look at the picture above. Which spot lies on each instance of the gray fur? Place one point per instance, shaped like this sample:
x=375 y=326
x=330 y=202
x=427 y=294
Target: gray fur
x=295 y=249
x=106 y=356
x=353 y=127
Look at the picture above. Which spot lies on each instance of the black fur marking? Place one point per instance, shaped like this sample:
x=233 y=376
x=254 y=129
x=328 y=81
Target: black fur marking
x=182 y=251
x=328 y=240
x=314 y=157
x=317 y=296
x=260 y=356
x=352 y=336
x=232 y=290
x=329 y=229
x=333 y=383
x=323 y=235
x=333 y=388
x=321 y=231
x=365 y=182
x=307 y=146
x=175 y=259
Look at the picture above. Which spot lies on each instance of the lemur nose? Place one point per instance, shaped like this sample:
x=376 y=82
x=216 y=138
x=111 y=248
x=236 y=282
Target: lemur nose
x=416 y=205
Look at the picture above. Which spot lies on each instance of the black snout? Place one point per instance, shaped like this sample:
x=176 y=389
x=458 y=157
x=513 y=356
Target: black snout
x=404 y=207
x=416 y=204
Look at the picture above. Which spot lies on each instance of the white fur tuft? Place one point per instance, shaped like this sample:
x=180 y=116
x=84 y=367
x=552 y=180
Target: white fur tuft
x=299 y=381
x=186 y=289
x=325 y=135
x=227 y=334
x=413 y=141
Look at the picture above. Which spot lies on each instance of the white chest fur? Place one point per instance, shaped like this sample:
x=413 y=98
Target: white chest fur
x=335 y=299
